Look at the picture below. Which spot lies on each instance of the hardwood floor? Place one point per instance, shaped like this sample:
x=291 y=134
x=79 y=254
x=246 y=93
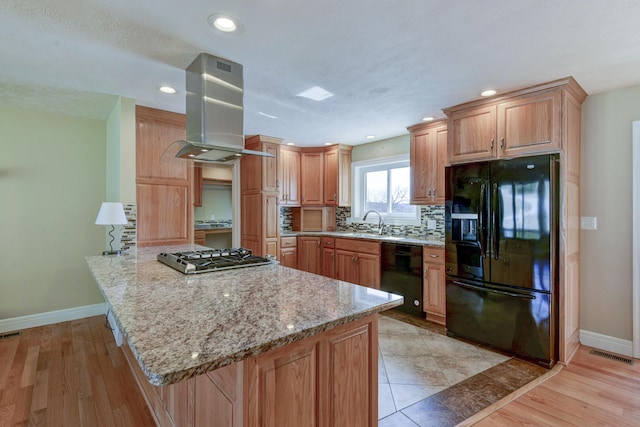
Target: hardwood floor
x=590 y=391
x=68 y=374
x=73 y=374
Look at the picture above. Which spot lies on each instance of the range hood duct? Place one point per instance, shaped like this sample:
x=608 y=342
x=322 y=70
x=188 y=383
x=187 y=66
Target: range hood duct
x=215 y=133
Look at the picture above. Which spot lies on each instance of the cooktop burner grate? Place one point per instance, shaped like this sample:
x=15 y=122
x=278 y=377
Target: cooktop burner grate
x=208 y=260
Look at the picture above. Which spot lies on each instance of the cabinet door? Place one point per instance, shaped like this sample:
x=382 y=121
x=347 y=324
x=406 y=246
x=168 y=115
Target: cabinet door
x=311 y=170
x=472 y=135
x=309 y=255
x=435 y=292
x=328 y=262
x=178 y=402
x=275 y=380
x=422 y=167
x=290 y=178
x=368 y=267
x=218 y=398
x=440 y=164
x=270 y=180
x=344 y=177
x=331 y=178
x=530 y=125
x=289 y=257
x=346 y=267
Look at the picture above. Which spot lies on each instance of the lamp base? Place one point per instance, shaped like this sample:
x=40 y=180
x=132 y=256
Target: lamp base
x=118 y=253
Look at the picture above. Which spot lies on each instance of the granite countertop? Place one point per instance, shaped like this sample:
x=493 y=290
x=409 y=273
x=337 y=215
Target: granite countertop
x=368 y=236
x=179 y=326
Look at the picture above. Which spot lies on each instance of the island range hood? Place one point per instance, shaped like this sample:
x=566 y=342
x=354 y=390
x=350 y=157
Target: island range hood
x=215 y=133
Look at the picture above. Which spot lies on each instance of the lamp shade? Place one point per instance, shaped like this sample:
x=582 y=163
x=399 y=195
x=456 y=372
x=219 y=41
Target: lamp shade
x=111 y=213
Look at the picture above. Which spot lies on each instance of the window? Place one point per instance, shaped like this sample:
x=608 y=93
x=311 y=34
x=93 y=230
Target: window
x=383 y=185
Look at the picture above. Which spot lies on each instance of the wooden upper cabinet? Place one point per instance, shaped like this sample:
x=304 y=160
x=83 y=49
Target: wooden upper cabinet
x=289 y=176
x=428 y=156
x=197 y=186
x=337 y=176
x=472 y=134
x=261 y=173
x=312 y=185
x=164 y=193
x=530 y=124
x=519 y=123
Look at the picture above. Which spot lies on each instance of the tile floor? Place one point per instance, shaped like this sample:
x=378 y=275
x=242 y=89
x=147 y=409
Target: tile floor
x=428 y=379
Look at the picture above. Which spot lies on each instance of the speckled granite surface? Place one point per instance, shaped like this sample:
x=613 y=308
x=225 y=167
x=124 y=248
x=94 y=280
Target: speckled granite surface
x=179 y=326
x=367 y=236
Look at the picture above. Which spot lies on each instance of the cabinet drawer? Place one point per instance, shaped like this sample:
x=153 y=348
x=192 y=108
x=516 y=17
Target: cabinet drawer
x=288 y=242
x=361 y=246
x=433 y=255
x=328 y=242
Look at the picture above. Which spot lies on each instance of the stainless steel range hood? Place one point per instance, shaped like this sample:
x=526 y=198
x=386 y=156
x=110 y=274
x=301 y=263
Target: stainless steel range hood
x=215 y=132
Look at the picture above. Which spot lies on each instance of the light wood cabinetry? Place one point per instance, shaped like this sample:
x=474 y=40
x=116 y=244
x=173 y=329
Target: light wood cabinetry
x=337 y=175
x=260 y=194
x=358 y=261
x=310 y=254
x=289 y=176
x=434 y=285
x=197 y=185
x=311 y=178
x=536 y=120
x=289 y=252
x=428 y=158
x=314 y=219
x=200 y=237
x=163 y=185
x=329 y=257
x=516 y=124
x=329 y=379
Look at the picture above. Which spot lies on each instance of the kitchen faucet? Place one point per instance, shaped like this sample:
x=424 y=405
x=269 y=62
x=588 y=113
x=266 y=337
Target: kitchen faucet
x=380 y=220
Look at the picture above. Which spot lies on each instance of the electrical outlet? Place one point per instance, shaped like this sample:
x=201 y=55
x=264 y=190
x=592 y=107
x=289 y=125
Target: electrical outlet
x=588 y=223
x=431 y=224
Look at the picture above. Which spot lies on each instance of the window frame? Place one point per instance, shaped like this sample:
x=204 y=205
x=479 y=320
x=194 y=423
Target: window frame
x=358 y=171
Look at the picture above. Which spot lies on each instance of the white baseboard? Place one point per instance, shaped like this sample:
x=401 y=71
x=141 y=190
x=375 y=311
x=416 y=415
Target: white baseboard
x=40 y=319
x=607 y=343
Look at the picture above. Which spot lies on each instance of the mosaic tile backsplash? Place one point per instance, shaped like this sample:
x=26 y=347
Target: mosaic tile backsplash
x=435 y=213
x=129 y=231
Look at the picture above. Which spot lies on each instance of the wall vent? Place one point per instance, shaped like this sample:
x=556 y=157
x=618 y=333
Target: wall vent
x=611 y=356
x=9 y=335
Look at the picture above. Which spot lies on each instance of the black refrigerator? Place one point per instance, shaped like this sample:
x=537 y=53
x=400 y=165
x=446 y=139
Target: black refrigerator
x=501 y=235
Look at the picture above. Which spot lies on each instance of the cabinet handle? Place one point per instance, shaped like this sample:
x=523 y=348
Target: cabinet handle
x=434 y=256
x=335 y=196
x=318 y=243
x=502 y=143
x=434 y=192
x=277 y=183
x=492 y=143
x=428 y=192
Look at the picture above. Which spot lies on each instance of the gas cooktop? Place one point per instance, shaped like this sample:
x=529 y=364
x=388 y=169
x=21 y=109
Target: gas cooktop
x=208 y=260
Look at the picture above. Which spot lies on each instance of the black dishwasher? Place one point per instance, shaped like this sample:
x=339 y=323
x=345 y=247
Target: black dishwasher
x=401 y=274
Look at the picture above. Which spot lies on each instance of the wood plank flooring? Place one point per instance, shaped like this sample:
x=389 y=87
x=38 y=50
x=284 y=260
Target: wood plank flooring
x=590 y=391
x=73 y=374
x=68 y=374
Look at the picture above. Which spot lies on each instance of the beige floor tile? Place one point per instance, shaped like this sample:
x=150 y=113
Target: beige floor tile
x=403 y=345
x=408 y=394
x=386 y=405
x=388 y=326
x=414 y=370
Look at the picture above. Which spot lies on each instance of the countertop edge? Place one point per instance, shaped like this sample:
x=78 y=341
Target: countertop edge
x=366 y=236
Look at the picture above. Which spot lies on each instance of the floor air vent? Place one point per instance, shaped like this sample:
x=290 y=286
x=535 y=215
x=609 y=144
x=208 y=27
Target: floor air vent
x=615 y=357
x=9 y=335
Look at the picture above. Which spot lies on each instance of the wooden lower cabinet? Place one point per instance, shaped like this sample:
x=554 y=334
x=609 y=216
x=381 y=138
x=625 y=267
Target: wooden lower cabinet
x=289 y=252
x=328 y=257
x=434 y=285
x=330 y=379
x=358 y=261
x=310 y=254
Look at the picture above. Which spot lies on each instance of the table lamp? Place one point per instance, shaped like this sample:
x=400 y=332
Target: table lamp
x=111 y=213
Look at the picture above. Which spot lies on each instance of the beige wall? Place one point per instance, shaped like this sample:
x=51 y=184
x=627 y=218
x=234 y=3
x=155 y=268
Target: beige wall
x=385 y=148
x=606 y=193
x=121 y=152
x=52 y=181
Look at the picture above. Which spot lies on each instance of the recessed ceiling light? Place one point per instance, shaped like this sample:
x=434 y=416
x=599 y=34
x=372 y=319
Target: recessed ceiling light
x=428 y=119
x=316 y=93
x=167 y=89
x=328 y=143
x=370 y=136
x=291 y=143
x=489 y=92
x=224 y=23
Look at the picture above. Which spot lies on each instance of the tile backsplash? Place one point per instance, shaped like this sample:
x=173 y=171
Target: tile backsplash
x=435 y=213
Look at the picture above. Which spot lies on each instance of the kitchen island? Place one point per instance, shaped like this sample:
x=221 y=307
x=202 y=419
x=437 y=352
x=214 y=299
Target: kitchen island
x=263 y=345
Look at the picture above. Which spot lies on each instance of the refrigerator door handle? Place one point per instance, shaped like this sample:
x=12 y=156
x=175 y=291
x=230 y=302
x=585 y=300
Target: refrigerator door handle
x=495 y=291
x=481 y=234
x=495 y=222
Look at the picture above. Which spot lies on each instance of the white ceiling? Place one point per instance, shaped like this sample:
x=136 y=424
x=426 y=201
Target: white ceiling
x=388 y=62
